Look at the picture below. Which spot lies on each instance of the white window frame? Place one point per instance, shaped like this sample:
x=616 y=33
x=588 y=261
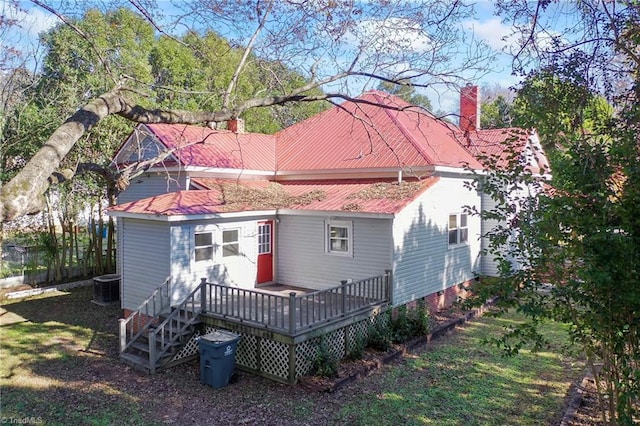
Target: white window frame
x=211 y=245
x=264 y=243
x=461 y=232
x=224 y=244
x=329 y=239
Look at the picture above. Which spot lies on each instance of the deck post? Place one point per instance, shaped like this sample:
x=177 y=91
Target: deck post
x=292 y=364
x=292 y=313
x=344 y=296
x=389 y=277
x=203 y=294
x=152 y=351
x=123 y=334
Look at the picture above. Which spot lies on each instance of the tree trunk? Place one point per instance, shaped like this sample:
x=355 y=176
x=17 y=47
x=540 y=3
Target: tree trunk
x=24 y=193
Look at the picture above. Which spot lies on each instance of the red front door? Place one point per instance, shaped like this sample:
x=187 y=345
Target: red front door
x=265 y=252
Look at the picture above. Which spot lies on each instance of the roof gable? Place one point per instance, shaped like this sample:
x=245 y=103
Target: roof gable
x=204 y=147
x=141 y=145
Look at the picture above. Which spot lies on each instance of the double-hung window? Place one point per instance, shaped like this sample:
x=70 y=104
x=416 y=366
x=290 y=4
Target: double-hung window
x=230 y=242
x=203 y=246
x=339 y=237
x=458 y=231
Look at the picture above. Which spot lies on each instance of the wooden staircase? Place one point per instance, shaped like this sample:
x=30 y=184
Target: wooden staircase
x=153 y=335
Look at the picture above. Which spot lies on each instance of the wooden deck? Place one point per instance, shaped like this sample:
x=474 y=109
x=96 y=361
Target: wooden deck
x=293 y=310
x=280 y=325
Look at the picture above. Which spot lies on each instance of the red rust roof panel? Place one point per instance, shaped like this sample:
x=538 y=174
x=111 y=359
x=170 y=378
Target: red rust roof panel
x=201 y=146
x=175 y=203
x=365 y=135
x=493 y=144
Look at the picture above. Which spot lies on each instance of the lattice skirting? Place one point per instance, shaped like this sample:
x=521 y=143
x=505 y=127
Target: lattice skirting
x=189 y=349
x=273 y=359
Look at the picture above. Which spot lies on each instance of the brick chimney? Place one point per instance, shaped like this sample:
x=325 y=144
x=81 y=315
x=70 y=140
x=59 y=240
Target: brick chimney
x=469 y=108
x=236 y=125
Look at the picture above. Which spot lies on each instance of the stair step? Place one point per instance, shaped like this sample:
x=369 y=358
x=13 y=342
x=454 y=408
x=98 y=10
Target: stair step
x=193 y=319
x=172 y=330
x=138 y=362
x=142 y=344
x=179 y=328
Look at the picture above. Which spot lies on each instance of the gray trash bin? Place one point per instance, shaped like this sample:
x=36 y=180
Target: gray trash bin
x=217 y=357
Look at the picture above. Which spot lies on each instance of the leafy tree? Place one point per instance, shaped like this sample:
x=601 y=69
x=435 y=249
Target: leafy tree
x=404 y=90
x=496 y=114
x=496 y=107
x=571 y=252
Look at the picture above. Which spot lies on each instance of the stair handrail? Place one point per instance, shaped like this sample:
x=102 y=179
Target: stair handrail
x=135 y=325
x=191 y=308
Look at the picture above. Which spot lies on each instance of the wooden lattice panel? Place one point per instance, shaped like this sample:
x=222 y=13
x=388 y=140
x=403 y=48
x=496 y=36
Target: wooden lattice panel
x=247 y=353
x=356 y=333
x=274 y=358
x=382 y=318
x=188 y=349
x=335 y=342
x=271 y=357
x=305 y=354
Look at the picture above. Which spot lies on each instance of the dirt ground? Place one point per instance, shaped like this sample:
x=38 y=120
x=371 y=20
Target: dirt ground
x=186 y=401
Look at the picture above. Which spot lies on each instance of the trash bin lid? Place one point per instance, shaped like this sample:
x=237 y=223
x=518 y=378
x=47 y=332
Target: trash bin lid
x=219 y=336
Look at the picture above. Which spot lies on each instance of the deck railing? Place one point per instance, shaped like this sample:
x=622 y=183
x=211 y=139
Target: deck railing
x=295 y=313
x=138 y=321
x=163 y=335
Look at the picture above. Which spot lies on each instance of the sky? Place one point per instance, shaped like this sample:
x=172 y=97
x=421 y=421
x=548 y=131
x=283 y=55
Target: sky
x=486 y=26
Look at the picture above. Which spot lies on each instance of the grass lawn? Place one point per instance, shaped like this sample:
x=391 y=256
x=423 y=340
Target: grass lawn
x=460 y=381
x=58 y=364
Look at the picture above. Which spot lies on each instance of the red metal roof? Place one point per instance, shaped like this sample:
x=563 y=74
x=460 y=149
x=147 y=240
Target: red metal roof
x=362 y=134
x=175 y=203
x=493 y=144
x=361 y=195
x=206 y=147
x=359 y=134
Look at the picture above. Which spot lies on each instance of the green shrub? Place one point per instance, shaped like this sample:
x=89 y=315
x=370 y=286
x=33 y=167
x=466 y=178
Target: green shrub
x=324 y=363
x=409 y=323
x=356 y=349
x=379 y=334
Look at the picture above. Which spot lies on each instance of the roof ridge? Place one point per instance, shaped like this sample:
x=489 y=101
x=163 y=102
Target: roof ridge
x=405 y=132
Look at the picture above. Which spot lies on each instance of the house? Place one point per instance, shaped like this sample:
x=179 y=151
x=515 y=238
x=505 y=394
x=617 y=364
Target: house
x=369 y=194
x=497 y=148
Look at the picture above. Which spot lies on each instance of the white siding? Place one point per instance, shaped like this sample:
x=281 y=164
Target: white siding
x=237 y=271
x=423 y=261
x=145 y=259
x=119 y=244
x=302 y=260
x=151 y=184
x=488 y=265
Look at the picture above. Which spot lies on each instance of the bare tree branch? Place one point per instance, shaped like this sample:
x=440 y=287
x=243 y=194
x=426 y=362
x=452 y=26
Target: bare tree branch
x=234 y=79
